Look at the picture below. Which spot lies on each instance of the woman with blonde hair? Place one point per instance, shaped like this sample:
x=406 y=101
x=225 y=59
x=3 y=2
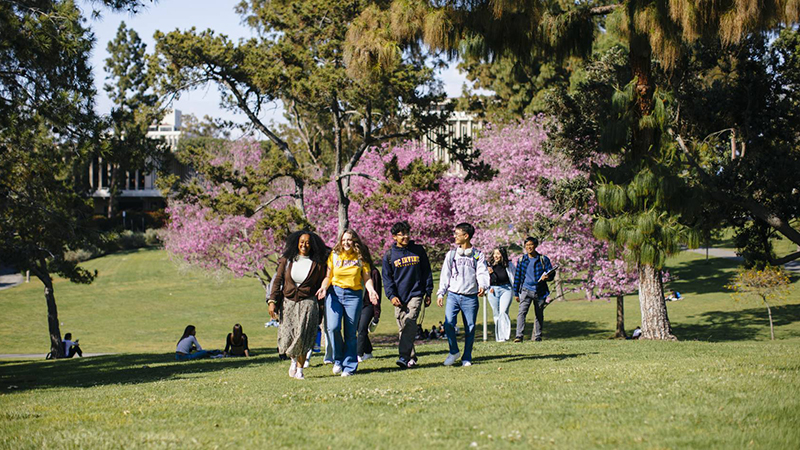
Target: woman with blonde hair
x=349 y=267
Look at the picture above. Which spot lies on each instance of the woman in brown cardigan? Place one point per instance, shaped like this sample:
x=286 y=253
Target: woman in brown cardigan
x=300 y=272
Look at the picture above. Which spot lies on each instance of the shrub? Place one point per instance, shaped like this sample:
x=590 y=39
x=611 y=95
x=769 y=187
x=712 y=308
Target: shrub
x=129 y=240
x=153 y=238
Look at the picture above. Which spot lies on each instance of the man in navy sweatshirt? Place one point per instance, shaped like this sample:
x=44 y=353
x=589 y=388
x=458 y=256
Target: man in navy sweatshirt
x=408 y=282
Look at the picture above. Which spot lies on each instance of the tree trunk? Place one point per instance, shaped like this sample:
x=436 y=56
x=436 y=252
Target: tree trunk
x=771 y=327
x=642 y=139
x=112 y=191
x=56 y=347
x=620 y=318
x=655 y=321
x=559 y=286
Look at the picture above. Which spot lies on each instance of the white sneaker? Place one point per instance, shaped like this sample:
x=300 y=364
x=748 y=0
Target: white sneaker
x=347 y=374
x=293 y=368
x=299 y=375
x=466 y=363
x=411 y=363
x=360 y=359
x=451 y=359
x=337 y=369
x=366 y=356
x=307 y=364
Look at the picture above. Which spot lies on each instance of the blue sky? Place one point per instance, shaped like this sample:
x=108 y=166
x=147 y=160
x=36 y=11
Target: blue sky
x=168 y=15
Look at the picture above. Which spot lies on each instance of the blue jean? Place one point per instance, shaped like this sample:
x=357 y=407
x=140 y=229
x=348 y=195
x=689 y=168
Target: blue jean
x=468 y=305
x=195 y=355
x=500 y=301
x=343 y=306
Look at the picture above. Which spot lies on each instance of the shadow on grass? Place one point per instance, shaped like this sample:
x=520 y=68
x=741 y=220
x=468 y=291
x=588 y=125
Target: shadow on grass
x=718 y=326
x=114 y=369
x=701 y=277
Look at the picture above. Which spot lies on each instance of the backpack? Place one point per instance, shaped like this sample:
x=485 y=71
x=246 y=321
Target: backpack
x=475 y=255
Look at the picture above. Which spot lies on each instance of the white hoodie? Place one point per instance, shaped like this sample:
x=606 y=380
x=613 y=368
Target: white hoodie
x=463 y=274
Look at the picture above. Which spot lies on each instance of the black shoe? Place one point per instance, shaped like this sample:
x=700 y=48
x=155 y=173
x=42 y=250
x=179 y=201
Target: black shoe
x=517 y=339
x=402 y=363
x=537 y=340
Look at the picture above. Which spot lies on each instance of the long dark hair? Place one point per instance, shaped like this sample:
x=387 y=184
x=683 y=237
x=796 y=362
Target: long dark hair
x=503 y=256
x=186 y=333
x=361 y=250
x=319 y=251
x=236 y=336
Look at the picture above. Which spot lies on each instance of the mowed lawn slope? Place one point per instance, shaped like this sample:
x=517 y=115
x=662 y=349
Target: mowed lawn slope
x=724 y=385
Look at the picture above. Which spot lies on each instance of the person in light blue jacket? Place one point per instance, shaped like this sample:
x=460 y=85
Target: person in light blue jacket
x=464 y=278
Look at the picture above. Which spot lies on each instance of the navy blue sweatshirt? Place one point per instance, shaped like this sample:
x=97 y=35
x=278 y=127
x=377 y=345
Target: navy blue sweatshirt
x=407 y=272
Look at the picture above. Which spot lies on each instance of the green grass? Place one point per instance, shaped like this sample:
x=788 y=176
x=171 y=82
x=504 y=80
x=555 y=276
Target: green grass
x=724 y=385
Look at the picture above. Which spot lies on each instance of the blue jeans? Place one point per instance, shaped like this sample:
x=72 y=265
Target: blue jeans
x=343 y=305
x=468 y=305
x=500 y=300
x=195 y=355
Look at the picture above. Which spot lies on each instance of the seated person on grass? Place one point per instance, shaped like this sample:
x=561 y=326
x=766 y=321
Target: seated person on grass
x=187 y=342
x=71 y=347
x=236 y=343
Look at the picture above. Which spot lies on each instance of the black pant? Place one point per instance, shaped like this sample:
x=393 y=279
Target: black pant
x=364 y=345
x=72 y=351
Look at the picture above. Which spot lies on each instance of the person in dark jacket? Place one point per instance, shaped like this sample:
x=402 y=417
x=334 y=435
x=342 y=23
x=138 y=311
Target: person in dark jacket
x=369 y=313
x=408 y=283
x=301 y=271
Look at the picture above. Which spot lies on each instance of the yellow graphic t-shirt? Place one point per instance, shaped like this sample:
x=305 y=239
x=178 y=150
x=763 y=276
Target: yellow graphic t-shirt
x=347 y=270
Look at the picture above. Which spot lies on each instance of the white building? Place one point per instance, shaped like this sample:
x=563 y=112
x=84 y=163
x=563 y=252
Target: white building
x=139 y=188
x=461 y=124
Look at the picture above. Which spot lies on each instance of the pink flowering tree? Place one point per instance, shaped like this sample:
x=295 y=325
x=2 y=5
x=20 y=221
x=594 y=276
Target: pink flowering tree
x=234 y=217
x=538 y=192
x=404 y=183
x=231 y=216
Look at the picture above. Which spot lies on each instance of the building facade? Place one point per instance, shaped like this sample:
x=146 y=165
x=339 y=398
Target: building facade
x=139 y=192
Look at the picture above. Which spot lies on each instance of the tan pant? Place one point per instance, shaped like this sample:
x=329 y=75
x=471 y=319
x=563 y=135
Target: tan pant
x=407 y=316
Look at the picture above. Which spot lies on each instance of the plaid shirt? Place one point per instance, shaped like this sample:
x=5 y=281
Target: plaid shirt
x=540 y=266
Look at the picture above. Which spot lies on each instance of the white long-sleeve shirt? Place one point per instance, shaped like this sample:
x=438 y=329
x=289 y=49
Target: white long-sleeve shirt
x=185 y=345
x=463 y=274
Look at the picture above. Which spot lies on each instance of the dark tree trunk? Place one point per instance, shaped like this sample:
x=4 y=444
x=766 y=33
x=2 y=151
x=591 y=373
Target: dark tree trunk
x=112 y=190
x=655 y=321
x=56 y=347
x=620 y=318
x=642 y=139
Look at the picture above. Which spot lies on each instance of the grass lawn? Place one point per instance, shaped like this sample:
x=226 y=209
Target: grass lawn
x=724 y=385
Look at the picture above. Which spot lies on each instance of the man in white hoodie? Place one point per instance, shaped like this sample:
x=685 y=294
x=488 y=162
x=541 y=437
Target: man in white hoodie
x=465 y=277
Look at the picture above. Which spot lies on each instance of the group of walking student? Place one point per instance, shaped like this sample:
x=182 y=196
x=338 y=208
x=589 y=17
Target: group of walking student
x=339 y=291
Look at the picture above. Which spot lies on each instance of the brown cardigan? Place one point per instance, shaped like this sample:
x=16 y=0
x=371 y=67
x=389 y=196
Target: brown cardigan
x=307 y=289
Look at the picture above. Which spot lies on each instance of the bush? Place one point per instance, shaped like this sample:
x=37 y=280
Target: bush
x=153 y=238
x=129 y=240
x=79 y=255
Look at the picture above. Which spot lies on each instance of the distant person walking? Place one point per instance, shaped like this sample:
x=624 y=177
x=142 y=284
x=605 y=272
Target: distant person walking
x=501 y=291
x=349 y=267
x=298 y=280
x=530 y=287
x=464 y=278
x=408 y=282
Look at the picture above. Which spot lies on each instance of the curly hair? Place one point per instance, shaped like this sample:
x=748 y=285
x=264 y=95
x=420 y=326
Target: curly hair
x=503 y=256
x=361 y=250
x=319 y=251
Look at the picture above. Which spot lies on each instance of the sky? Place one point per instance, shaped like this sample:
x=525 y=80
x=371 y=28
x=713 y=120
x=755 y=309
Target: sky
x=168 y=15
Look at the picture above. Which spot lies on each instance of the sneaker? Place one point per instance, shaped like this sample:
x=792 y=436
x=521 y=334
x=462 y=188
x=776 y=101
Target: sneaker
x=412 y=363
x=299 y=375
x=337 y=369
x=293 y=368
x=537 y=340
x=451 y=358
x=307 y=364
x=347 y=374
x=465 y=363
x=517 y=339
x=327 y=362
x=402 y=363
x=360 y=359
x=366 y=356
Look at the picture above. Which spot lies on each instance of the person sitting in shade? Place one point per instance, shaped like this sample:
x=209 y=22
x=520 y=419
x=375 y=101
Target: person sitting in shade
x=188 y=348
